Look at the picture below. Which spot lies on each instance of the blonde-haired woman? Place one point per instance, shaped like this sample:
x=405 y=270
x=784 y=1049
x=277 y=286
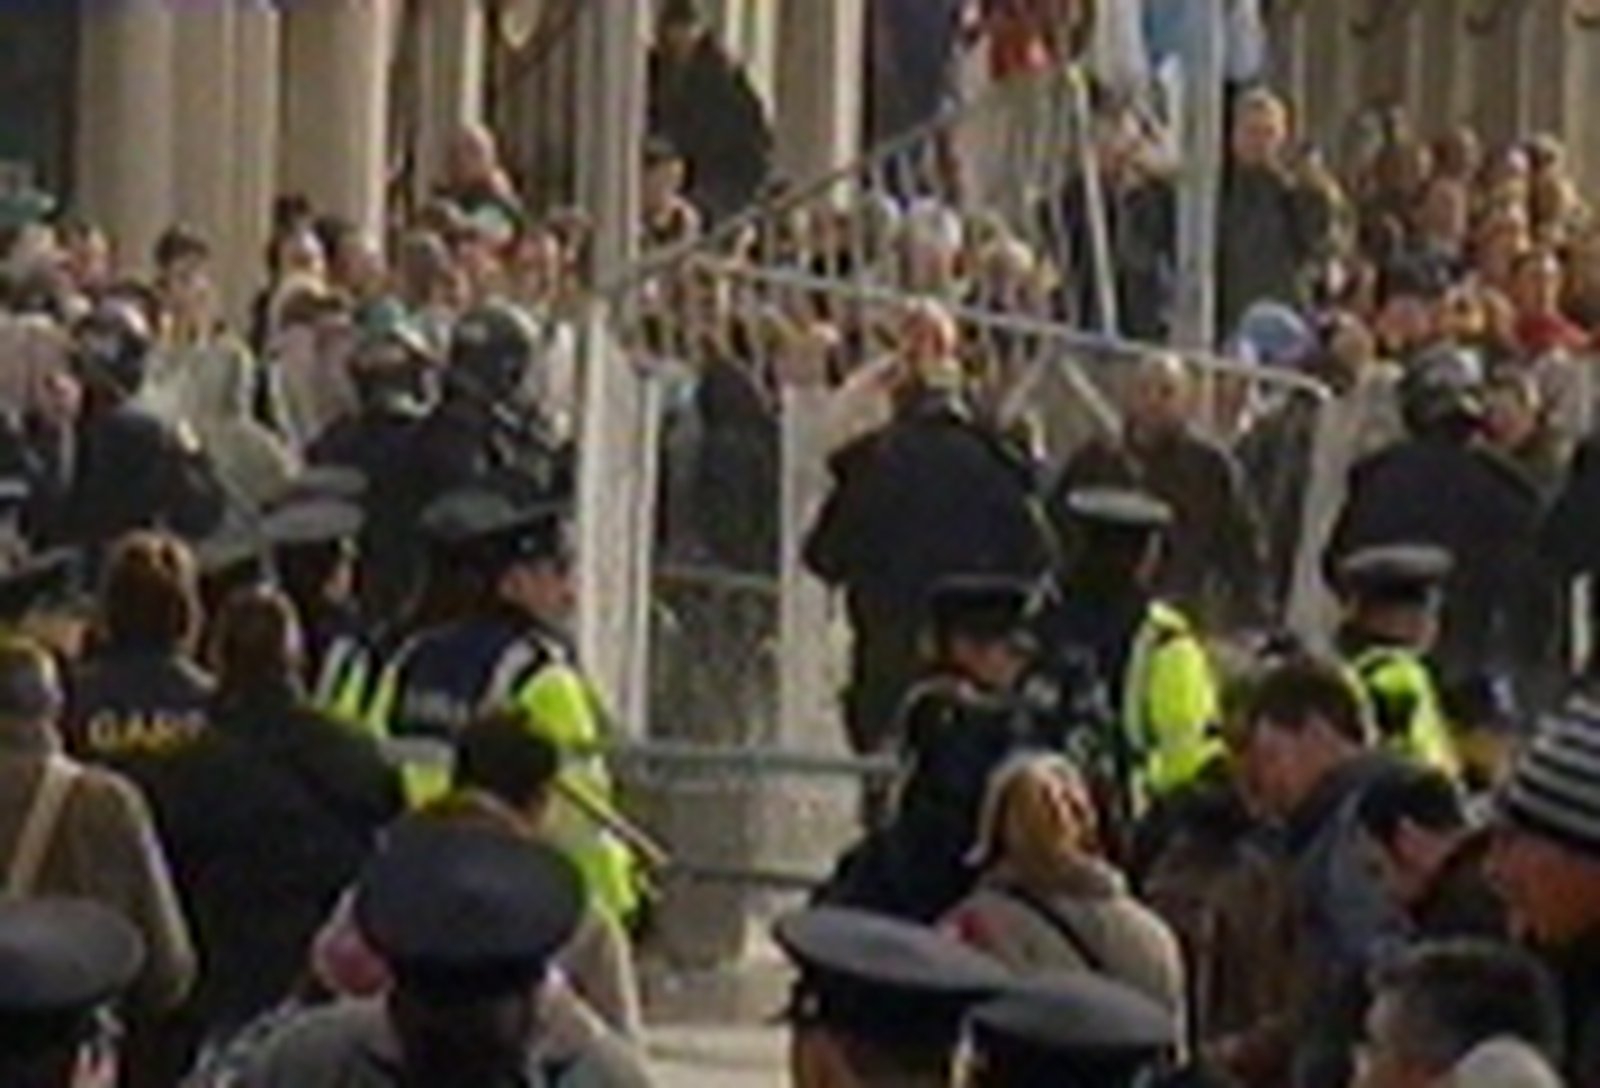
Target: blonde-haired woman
x=1047 y=902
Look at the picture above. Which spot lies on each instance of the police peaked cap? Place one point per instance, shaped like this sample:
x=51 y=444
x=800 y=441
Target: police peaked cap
x=233 y=556
x=313 y=522
x=326 y=482
x=980 y=606
x=481 y=525
x=1079 y=1030
x=60 y=960
x=50 y=579
x=884 y=979
x=1395 y=573
x=466 y=908
x=1119 y=508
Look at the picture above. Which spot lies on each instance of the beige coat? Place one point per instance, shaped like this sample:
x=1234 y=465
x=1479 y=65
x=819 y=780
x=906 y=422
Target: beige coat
x=105 y=849
x=1117 y=936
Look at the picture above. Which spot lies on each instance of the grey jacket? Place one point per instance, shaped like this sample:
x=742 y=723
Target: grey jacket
x=351 y=1045
x=104 y=848
x=1345 y=924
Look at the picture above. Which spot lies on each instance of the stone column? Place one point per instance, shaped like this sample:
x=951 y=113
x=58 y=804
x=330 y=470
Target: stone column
x=336 y=105
x=125 y=138
x=205 y=126
x=1578 y=86
x=1330 y=75
x=819 y=88
x=615 y=478
x=819 y=85
x=452 y=52
x=748 y=29
x=257 y=102
x=1499 y=74
x=1444 y=86
x=1387 y=44
x=1289 y=28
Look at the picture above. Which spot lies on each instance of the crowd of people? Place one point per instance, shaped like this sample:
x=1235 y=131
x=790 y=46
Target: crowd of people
x=1215 y=729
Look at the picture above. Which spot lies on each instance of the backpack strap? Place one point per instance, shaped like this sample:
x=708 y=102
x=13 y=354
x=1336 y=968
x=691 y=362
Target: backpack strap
x=1059 y=924
x=39 y=826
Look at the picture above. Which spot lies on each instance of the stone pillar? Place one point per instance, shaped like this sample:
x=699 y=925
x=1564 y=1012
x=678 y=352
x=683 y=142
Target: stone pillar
x=1444 y=87
x=1387 y=42
x=1578 y=84
x=257 y=102
x=1499 y=72
x=1289 y=28
x=125 y=137
x=452 y=52
x=1330 y=76
x=819 y=85
x=820 y=80
x=1562 y=48
x=615 y=472
x=336 y=105
x=748 y=29
x=205 y=126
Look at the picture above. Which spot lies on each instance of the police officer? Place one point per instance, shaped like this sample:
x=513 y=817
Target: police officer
x=932 y=493
x=1393 y=595
x=129 y=469
x=1103 y=625
x=955 y=727
x=508 y=652
x=39 y=598
x=138 y=697
x=314 y=555
x=63 y=965
x=1076 y=1031
x=267 y=817
x=1439 y=487
x=472 y=1004
x=878 y=1001
x=393 y=372
x=484 y=430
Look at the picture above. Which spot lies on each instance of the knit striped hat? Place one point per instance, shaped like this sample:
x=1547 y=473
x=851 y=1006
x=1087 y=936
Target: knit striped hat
x=1554 y=791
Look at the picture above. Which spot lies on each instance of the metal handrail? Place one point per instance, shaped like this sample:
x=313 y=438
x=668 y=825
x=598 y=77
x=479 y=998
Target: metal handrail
x=715 y=240
x=1024 y=324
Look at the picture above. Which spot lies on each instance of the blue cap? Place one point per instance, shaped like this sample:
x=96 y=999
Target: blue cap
x=1273 y=335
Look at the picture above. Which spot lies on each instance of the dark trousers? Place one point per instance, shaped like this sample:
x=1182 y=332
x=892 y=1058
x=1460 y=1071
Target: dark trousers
x=884 y=662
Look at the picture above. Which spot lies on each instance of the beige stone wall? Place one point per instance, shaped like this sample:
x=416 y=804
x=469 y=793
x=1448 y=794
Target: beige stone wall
x=1509 y=68
x=201 y=113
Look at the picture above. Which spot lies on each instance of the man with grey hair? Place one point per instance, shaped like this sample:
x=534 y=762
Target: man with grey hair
x=1215 y=564
x=1436 y=1008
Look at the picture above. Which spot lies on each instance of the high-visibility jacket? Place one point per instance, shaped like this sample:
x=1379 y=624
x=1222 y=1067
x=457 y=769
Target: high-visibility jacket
x=344 y=680
x=1404 y=701
x=443 y=679
x=1170 y=704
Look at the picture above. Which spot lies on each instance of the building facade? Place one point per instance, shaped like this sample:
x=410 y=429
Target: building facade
x=140 y=113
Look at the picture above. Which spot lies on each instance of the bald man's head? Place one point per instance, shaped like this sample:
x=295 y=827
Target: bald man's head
x=1160 y=398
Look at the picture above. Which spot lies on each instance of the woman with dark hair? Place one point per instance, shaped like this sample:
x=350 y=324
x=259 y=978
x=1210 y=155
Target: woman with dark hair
x=272 y=814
